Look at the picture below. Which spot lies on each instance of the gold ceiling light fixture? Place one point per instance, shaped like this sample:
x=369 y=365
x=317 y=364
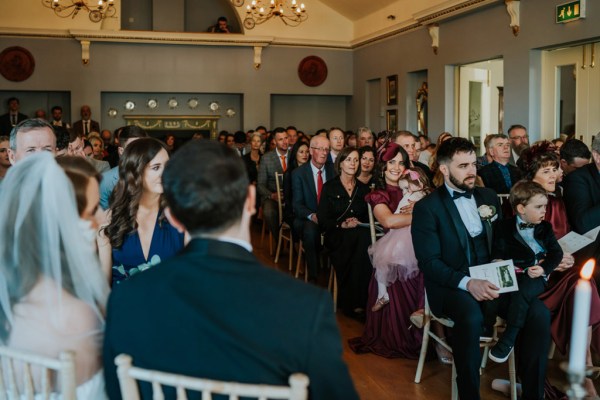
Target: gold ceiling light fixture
x=70 y=8
x=289 y=11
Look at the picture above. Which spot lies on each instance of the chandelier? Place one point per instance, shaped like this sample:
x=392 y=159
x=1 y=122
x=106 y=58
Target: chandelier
x=292 y=14
x=70 y=8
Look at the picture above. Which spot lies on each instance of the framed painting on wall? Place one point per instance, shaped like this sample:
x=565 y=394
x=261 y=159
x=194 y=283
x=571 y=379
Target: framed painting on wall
x=391 y=118
x=392 y=90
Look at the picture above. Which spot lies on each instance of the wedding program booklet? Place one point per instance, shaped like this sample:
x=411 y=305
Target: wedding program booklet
x=572 y=241
x=501 y=274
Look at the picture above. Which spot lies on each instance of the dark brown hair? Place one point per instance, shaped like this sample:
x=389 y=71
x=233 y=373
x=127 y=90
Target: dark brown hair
x=79 y=171
x=125 y=198
x=344 y=153
x=523 y=191
x=538 y=156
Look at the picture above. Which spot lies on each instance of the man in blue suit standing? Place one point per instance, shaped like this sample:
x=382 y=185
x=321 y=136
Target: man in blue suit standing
x=214 y=310
x=307 y=182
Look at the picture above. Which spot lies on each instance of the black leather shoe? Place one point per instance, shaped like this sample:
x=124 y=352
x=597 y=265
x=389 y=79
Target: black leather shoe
x=501 y=351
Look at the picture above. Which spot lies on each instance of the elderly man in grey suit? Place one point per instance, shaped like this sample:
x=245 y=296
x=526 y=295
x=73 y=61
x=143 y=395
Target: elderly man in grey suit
x=307 y=183
x=273 y=161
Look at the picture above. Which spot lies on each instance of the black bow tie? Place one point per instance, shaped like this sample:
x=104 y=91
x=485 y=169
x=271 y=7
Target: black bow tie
x=458 y=195
x=526 y=225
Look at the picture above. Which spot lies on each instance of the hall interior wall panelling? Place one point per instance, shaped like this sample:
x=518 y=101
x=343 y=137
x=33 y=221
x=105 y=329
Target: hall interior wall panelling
x=308 y=113
x=117 y=101
x=153 y=68
x=475 y=37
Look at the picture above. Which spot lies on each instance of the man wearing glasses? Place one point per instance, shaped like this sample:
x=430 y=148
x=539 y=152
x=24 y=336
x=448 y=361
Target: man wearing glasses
x=307 y=183
x=519 y=141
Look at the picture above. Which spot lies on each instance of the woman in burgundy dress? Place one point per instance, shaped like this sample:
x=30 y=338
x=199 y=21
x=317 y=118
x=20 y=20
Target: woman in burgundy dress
x=388 y=331
x=542 y=166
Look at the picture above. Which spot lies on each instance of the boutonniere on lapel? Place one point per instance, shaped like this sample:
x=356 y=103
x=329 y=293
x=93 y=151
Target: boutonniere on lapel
x=487 y=213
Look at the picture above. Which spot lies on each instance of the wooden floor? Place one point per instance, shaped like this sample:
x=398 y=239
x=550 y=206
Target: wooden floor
x=379 y=378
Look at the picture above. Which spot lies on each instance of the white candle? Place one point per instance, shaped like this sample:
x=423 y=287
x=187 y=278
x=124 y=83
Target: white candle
x=581 y=319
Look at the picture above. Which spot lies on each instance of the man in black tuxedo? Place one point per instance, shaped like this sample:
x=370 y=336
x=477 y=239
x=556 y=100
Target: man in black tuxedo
x=307 y=183
x=214 y=311
x=449 y=235
x=499 y=174
x=12 y=117
x=582 y=193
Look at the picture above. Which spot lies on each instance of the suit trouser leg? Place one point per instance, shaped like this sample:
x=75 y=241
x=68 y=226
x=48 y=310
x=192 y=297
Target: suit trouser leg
x=311 y=239
x=271 y=216
x=466 y=313
x=529 y=290
x=532 y=348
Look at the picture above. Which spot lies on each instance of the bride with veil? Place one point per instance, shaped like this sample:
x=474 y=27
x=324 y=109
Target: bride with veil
x=52 y=290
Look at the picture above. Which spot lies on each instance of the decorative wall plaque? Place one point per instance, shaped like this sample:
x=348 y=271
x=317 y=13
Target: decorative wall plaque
x=16 y=64
x=312 y=71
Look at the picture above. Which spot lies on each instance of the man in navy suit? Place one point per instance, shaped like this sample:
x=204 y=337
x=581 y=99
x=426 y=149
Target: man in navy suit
x=307 y=183
x=214 y=310
x=452 y=231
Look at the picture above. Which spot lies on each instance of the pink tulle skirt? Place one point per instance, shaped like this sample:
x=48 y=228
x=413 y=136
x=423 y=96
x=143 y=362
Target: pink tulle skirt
x=393 y=257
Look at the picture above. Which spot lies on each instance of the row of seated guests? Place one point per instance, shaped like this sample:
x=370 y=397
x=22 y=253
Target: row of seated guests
x=444 y=269
x=57 y=290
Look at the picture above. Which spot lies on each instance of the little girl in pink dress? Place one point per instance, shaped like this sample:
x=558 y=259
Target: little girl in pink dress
x=393 y=256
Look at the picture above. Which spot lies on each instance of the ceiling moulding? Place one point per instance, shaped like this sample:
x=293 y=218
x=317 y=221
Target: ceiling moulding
x=437 y=14
x=442 y=12
x=198 y=39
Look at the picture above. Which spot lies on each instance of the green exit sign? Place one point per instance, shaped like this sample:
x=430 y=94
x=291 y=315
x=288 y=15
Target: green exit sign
x=570 y=11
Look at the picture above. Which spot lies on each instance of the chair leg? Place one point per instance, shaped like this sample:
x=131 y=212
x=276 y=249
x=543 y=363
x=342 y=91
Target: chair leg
x=512 y=373
x=454 y=385
x=300 y=250
x=424 y=345
x=278 y=246
x=291 y=248
x=271 y=244
x=551 y=351
x=484 y=358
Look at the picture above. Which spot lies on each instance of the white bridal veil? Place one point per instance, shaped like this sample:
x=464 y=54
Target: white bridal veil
x=52 y=290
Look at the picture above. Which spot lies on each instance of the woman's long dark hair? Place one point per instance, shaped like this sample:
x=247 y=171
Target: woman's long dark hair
x=387 y=152
x=293 y=164
x=125 y=198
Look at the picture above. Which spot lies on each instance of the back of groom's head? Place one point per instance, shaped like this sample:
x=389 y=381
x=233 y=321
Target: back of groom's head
x=205 y=186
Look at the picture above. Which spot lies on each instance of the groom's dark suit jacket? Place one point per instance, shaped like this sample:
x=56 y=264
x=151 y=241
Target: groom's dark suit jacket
x=441 y=240
x=214 y=311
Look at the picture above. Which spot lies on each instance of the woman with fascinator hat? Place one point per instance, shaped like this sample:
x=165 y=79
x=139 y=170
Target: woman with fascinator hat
x=396 y=289
x=52 y=289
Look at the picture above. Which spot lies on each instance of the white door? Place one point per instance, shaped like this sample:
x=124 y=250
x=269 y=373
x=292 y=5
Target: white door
x=570 y=93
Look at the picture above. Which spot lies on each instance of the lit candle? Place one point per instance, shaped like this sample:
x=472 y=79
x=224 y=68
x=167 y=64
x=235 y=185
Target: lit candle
x=581 y=319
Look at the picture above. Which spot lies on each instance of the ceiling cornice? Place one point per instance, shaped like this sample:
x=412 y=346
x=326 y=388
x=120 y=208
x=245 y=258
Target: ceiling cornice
x=437 y=14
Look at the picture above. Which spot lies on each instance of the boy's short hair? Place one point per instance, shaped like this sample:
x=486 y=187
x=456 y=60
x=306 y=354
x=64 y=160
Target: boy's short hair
x=523 y=191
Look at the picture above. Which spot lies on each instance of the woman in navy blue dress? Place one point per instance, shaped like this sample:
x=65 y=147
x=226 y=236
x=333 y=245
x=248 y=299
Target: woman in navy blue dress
x=138 y=235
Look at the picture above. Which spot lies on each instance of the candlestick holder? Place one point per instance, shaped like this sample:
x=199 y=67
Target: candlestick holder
x=575 y=389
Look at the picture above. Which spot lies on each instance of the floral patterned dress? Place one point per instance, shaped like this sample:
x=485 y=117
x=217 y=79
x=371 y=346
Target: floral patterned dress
x=129 y=259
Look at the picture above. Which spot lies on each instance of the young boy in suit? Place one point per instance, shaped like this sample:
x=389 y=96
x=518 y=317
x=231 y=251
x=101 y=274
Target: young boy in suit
x=529 y=241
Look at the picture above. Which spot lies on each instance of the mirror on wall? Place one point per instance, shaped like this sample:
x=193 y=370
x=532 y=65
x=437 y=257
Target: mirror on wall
x=480 y=110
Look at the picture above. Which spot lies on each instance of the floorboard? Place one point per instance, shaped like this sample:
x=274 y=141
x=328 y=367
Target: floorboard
x=379 y=378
